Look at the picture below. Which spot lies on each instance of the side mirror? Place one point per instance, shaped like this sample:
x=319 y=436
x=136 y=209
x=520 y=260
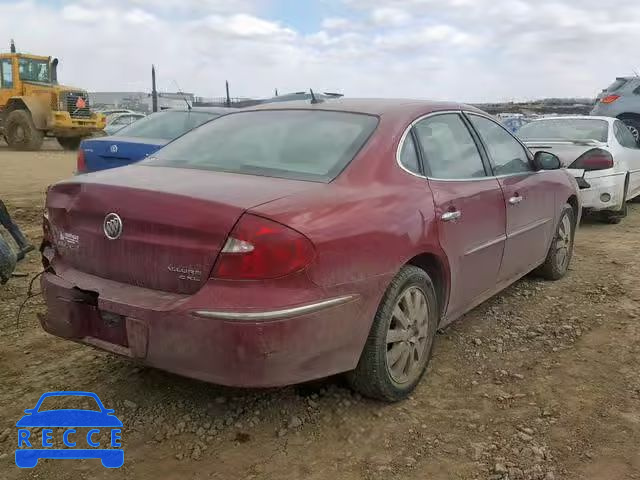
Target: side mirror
x=546 y=161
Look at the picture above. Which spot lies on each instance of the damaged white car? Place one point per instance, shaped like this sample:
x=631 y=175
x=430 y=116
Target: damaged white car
x=601 y=151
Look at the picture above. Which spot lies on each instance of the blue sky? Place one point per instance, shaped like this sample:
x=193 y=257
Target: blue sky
x=465 y=50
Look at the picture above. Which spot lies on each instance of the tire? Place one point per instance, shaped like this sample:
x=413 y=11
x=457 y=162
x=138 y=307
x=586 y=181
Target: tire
x=69 y=143
x=21 y=133
x=556 y=265
x=633 y=123
x=412 y=345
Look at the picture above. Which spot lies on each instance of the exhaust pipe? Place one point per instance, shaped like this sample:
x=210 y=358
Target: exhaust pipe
x=54 y=71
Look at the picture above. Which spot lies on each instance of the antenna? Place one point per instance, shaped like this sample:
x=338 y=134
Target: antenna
x=314 y=99
x=12 y=46
x=276 y=92
x=182 y=94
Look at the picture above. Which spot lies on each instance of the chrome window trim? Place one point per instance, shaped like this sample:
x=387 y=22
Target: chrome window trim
x=276 y=314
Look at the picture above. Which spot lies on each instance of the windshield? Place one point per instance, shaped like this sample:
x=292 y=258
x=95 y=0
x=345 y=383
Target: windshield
x=297 y=144
x=565 y=129
x=166 y=125
x=34 y=70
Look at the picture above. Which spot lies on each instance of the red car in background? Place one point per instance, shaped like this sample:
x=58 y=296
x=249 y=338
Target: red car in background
x=294 y=241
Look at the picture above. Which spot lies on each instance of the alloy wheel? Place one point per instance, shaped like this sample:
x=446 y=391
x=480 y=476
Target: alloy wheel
x=408 y=336
x=563 y=243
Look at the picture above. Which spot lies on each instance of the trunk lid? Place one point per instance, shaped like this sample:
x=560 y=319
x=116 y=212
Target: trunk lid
x=111 y=152
x=174 y=222
x=566 y=150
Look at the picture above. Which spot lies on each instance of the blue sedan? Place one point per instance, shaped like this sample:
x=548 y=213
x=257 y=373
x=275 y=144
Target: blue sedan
x=137 y=141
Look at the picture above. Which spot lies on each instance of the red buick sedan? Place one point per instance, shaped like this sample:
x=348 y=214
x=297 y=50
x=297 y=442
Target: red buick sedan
x=294 y=241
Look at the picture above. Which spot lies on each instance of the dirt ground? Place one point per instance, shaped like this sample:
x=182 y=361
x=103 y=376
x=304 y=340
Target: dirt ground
x=541 y=382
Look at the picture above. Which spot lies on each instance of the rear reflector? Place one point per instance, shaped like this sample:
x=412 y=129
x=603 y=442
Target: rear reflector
x=594 y=159
x=610 y=98
x=81 y=165
x=259 y=249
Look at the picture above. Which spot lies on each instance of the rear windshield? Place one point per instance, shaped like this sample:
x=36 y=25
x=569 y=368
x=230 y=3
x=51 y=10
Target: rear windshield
x=166 y=125
x=297 y=144
x=565 y=129
x=618 y=83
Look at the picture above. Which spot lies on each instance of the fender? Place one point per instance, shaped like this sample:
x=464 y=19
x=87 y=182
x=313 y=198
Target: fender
x=39 y=111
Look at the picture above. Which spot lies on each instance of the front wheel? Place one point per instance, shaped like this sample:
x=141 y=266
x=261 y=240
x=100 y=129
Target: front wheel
x=69 y=143
x=561 y=250
x=21 y=133
x=399 y=345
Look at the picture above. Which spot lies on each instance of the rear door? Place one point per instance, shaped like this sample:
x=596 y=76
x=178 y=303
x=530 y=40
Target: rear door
x=629 y=153
x=529 y=198
x=468 y=203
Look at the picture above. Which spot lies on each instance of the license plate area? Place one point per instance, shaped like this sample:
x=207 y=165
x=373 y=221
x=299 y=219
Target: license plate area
x=109 y=327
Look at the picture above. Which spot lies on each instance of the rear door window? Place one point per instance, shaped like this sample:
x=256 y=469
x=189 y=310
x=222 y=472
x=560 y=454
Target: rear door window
x=298 y=144
x=449 y=149
x=166 y=125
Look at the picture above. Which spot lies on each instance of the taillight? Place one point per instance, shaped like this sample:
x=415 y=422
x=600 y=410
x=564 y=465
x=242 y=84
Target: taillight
x=258 y=249
x=81 y=165
x=610 y=98
x=594 y=159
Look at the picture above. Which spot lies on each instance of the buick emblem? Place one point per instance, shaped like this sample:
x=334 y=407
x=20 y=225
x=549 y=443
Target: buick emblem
x=112 y=226
x=114 y=148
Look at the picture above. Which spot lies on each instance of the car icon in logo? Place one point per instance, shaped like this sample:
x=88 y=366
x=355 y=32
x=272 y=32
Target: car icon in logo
x=79 y=445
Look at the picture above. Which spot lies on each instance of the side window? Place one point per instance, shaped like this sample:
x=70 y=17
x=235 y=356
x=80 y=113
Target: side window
x=507 y=155
x=624 y=135
x=7 y=73
x=409 y=156
x=449 y=148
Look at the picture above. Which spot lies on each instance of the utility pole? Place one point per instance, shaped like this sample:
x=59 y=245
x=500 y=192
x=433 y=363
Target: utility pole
x=228 y=97
x=154 y=92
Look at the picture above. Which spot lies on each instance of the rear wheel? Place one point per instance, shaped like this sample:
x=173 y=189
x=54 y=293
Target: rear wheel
x=69 y=143
x=21 y=133
x=561 y=250
x=400 y=342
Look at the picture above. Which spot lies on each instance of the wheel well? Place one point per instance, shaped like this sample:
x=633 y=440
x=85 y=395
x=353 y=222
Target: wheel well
x=635 y=116
x=573 y=201
x=433 y=266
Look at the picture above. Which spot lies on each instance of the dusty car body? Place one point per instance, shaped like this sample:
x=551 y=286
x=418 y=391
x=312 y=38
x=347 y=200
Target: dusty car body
x=295 y=235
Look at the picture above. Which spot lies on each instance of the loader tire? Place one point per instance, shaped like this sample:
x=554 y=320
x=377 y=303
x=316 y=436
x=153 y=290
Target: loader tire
x=21 y=133
x=69 y=143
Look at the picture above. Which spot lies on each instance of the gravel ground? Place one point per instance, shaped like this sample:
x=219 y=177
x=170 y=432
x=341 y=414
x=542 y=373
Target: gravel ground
x=541 y=382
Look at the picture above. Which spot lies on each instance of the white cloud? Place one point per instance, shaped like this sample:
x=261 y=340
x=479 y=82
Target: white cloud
x=468 y=50
x=388 y=16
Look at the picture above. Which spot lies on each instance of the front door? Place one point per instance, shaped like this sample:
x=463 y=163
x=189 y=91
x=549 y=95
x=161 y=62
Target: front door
x=528 y=197
x=469 y=207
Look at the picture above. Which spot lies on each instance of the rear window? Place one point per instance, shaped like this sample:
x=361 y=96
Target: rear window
x=565 y=129
x=617 y=84
x=166 y=125
x=297 y=144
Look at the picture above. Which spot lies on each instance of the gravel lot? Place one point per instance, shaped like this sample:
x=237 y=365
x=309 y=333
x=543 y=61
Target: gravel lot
x=541 y=382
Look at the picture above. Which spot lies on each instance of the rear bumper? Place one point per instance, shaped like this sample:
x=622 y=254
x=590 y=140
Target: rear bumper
x=286 y=346
x=610 y=184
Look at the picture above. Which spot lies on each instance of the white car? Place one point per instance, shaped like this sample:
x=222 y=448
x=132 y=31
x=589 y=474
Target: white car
x=603 y=154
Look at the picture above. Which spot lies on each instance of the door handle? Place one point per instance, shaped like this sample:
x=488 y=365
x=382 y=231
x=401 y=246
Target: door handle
x=451 y=216
x=515 y=200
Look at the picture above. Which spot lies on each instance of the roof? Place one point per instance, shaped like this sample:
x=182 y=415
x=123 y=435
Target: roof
x=371 y=106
